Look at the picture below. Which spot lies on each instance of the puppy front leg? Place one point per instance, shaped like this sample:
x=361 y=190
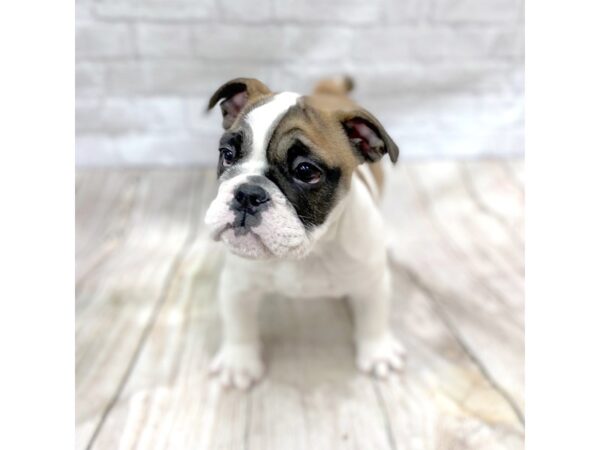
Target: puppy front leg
x=378 y=351
x=238 y=362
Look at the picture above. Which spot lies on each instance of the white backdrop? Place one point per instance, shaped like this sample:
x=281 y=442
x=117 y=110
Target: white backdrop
x=444 y=76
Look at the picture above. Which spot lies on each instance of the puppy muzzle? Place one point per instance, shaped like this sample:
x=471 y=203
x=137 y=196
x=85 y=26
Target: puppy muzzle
x=255 y=220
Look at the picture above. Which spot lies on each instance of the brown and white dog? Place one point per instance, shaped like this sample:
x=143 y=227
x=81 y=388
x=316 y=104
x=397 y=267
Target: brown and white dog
x=298 y=211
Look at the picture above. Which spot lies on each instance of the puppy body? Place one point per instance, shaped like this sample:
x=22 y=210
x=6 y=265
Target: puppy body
x=293 y=236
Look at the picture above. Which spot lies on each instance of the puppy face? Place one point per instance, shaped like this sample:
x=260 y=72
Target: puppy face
x=285 y=166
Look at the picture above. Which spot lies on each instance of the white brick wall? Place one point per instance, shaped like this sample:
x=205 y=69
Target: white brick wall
x=444 y=76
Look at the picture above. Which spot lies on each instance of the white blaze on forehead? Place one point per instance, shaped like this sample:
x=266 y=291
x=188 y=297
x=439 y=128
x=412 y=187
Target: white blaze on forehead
x=262 y=121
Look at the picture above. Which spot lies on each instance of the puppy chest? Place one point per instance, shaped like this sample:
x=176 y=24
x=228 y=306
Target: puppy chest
x=311 y=278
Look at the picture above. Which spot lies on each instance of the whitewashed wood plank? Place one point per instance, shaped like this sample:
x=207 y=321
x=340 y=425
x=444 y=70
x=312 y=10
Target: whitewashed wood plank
x=443 y=400
x=98 y=197
x=467 y=223
x=515 y=169
x=483 y=297
x=171 y=347
x=118 y=298
x=440 y=224
x=474 y=216
x=168 y=401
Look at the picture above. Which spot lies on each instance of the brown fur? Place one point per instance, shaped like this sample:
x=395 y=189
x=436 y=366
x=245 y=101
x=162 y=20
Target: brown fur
x=313 y=122
x=334 y=86
x=341 y=87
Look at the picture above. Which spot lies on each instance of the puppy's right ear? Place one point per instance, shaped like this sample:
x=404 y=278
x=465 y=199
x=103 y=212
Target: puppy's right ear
x=235 y=95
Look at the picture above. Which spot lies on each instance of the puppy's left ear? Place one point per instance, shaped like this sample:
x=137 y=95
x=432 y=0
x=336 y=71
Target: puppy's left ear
x=367 y=136
x=235 y=95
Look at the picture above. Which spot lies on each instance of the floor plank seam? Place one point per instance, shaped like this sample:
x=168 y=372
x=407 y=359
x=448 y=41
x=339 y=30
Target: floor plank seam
x=169 y=279
x=483 y=252
x=433 y=298
x=385 y=416
x=248 y=423
x=513 y=177
x=448 y=242
x=485 y=209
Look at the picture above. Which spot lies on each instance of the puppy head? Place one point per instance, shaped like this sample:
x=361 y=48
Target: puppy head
x=285 y=166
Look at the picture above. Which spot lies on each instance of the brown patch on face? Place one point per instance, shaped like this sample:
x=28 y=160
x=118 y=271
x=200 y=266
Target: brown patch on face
x=314 y=122
x=333 y=134
x=308 y=135
x=318 y=121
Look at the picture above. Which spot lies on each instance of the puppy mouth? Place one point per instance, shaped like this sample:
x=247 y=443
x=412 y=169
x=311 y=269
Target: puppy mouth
x=245 y=242
x=237 y=230
x=242 y=223
x=217 y=233
x=242 y=232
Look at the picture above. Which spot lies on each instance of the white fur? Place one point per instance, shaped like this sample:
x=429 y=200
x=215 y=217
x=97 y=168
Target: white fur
x=262 y=121
x=369 y=179
x=345 y=256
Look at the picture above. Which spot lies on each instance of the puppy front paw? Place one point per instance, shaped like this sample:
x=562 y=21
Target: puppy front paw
x=380 y=356
x=238 y=366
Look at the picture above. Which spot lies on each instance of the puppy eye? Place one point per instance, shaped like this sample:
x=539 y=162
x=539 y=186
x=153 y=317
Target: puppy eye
x=227 y=156
x=307 y=173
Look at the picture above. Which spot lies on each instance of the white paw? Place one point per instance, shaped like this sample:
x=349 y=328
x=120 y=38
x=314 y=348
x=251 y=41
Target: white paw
x=380 y=356
x=238 y=366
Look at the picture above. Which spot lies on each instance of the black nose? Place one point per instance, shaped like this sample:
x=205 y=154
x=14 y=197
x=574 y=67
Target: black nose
x=249 y=197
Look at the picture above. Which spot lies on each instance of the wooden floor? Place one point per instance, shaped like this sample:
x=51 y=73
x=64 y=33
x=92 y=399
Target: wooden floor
x=147 y=325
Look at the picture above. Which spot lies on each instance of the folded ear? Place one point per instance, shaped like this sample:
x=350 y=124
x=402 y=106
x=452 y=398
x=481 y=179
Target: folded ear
x=235 y=95
x=367 y=136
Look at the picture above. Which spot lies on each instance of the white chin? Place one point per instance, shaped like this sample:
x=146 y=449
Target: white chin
x=248 y=245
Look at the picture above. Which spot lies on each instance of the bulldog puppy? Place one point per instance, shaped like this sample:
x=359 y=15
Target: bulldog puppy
x=297 y=209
